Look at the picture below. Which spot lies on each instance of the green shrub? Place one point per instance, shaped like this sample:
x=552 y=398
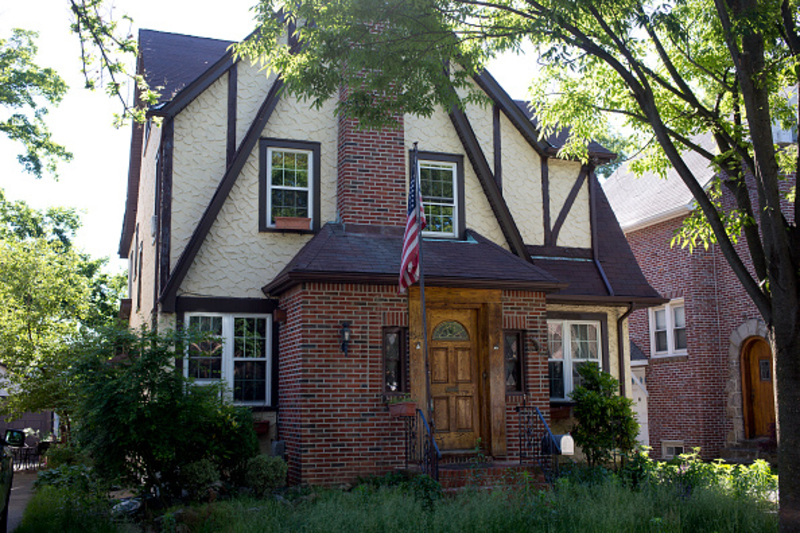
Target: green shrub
x=265 y=474
x=605 y=419
x=142 y=422
x=77 y=478
x=197 y=477
x=65 y=454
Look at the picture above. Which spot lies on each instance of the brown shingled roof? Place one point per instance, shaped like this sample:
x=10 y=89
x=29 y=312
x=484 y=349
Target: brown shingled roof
x=559 y=138
x=338 y=255
x=619 y=264
x=173 y=60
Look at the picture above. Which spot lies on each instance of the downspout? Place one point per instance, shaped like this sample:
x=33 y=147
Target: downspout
x=621 y=349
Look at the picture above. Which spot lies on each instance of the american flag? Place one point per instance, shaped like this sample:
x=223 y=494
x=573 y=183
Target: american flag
x=409 y=261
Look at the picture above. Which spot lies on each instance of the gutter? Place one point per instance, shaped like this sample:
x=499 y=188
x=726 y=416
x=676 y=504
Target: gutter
x=621 y=349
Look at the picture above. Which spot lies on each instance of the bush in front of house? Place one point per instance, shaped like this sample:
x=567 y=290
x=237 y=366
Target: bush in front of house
x=265 y=473
x=198 y=477
x=605 y=419
x=142 y=422
x=66 y=454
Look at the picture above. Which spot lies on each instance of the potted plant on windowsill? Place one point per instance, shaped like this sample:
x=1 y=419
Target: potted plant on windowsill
x=295 y=223
x=401 y=406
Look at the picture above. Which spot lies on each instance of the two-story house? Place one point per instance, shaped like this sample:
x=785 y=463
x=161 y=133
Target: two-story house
x=709 y=374
x=528 y=274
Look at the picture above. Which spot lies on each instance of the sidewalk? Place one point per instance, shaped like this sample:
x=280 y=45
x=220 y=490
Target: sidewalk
x=21 y=492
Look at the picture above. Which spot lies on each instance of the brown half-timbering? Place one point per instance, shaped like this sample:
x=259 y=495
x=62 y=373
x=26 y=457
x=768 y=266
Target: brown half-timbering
x=546 y=201
x=221 y=194
x=510 y=108
x=498 y=150
x=567 y=207
x=232 y=98
x=486 y=178
x=165 y=204
x=486 y=304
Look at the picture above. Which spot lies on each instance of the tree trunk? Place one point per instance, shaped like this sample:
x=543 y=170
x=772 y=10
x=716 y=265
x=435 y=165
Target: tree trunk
x=785 y=340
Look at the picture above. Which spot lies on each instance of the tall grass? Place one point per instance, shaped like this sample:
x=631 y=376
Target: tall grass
x=65 y=510
x=690 y=496
x=607 y=506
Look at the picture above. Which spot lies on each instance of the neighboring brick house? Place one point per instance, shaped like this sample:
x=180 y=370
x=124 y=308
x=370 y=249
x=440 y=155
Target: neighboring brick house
x=709 y=375
x=520 y=243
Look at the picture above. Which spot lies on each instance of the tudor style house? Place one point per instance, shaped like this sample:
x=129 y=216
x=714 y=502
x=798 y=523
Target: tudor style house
x=709 y=370
x=278 y=228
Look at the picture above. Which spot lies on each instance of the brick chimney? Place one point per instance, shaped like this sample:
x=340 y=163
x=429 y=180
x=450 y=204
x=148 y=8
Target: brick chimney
x=371 y=184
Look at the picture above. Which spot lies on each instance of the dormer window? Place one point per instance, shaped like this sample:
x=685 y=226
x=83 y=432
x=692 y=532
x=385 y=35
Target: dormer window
x=289 y=183
x=442 y=185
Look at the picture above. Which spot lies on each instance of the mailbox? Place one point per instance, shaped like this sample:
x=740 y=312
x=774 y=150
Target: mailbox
x=565 y=444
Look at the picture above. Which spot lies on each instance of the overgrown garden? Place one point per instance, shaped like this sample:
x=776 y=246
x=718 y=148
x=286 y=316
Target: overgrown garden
x=192 y=459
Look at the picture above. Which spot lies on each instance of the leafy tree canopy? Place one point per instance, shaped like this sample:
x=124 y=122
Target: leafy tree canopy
x=51 y=294
x=26 y=89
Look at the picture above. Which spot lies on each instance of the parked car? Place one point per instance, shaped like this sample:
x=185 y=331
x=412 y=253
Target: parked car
x=16 y=438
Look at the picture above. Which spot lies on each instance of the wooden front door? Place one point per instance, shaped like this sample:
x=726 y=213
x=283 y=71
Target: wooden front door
x=455 y=377
x=757 y=388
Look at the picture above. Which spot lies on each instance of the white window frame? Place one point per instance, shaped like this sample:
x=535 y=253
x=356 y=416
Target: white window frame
x=669 y=312
x=453 y=166
x=566 y=346
x=309 y=181
x=665 y=444
x=227 y=366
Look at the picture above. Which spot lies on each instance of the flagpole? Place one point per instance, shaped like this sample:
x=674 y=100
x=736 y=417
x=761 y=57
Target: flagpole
x=418 y=184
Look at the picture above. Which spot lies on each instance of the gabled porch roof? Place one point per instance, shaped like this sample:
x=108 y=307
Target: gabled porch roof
x=371 y=255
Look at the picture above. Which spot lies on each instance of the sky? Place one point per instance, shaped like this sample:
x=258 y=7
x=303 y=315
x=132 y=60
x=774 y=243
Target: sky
x=95 y=181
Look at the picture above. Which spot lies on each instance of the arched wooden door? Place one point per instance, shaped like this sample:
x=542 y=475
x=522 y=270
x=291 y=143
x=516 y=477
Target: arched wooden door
x=757 y=383
x=455 y=375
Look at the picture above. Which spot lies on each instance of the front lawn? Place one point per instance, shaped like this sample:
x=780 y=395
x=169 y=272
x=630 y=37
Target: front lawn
x=690 y=498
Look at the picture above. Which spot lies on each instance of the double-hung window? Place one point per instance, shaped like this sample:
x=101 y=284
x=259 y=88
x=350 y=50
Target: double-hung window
x=668 y=329
x=289 y=183
x=234 y=349
x=289 y=190
x=438 y=183
x=571 y=344
x=441 y=179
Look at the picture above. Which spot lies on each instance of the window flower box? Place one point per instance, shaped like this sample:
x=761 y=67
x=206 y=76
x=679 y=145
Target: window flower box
x=403 y=409
x=293 y=223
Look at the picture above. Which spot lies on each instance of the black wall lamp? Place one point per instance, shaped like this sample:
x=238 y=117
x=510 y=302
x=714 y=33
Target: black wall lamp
x=345 y=336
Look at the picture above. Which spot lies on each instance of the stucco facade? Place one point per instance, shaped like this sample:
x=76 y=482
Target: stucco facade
x=216 y=257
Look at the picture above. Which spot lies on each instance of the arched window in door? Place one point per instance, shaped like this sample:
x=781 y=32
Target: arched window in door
x=450 y=331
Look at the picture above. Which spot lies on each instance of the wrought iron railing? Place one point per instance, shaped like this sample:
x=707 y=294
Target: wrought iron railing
x=421 y=447
x=536 y=442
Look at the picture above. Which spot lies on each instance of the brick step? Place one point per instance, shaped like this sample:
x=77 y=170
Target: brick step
x=488 y=475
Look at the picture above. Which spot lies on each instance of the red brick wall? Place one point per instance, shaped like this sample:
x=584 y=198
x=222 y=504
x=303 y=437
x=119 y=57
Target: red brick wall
x=331 y=414
x=527 y=311
x=689 y=396
x=371 y=186
x=332 y=417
